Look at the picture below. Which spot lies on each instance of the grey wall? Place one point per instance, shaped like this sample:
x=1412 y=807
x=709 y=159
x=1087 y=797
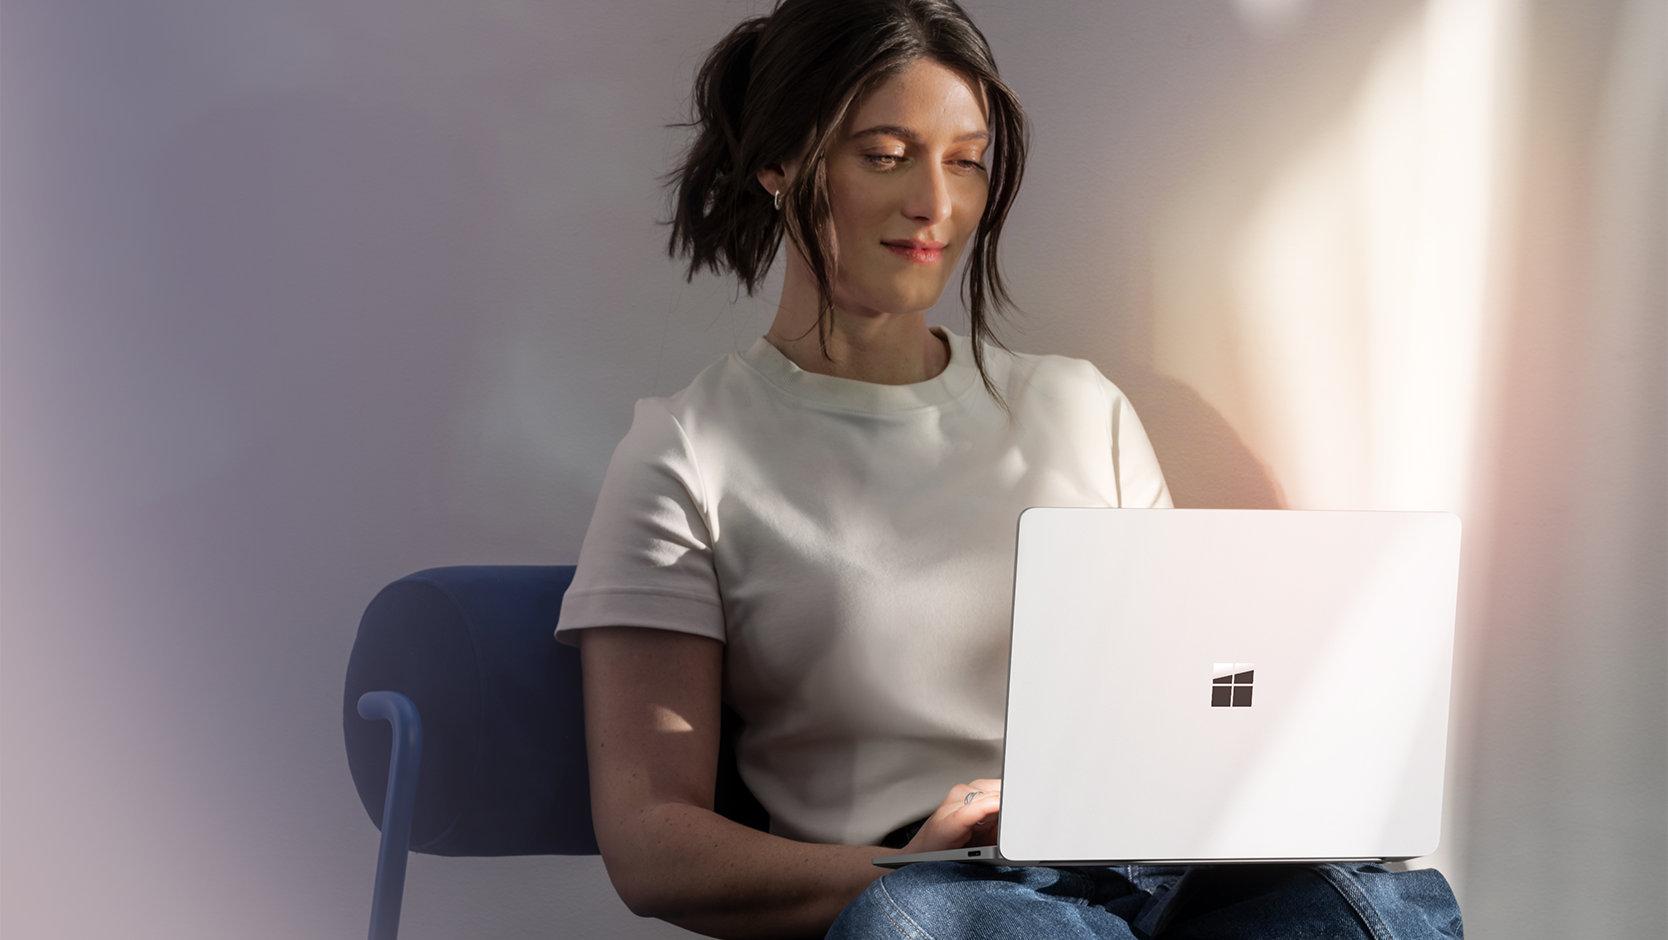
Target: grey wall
x=300 y=297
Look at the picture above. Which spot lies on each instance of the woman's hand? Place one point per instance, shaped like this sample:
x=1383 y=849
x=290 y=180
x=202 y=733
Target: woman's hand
x=968 y=816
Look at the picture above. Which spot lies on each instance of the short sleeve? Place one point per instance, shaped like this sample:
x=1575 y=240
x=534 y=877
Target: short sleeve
x=1140 y=481
x=647 y=557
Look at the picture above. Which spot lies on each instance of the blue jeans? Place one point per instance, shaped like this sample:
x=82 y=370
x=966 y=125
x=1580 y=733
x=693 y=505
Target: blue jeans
x=945 y=900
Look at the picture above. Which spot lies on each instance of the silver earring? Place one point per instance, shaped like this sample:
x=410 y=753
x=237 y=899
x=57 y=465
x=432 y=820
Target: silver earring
x=776 y=200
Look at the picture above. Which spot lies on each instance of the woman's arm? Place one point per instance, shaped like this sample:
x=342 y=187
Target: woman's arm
x=651 y=727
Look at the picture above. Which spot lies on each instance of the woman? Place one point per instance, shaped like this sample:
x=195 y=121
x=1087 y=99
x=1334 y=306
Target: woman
x=819 y=531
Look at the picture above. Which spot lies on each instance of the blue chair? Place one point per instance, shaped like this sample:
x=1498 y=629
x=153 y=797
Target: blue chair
x=465 y=725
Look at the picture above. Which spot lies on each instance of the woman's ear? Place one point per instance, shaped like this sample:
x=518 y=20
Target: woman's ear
x=773 y=178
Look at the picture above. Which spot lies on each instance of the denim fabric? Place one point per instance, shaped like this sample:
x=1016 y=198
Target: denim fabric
x=948 y=900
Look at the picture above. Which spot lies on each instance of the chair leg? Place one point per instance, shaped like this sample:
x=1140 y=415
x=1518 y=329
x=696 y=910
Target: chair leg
x=403 y=761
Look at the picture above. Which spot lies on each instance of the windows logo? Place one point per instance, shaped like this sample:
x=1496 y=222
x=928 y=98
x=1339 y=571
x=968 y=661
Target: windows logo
x=1231 y=685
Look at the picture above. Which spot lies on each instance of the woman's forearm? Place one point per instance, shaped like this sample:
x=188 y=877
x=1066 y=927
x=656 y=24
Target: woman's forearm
x=696 y=869
x=652 y=717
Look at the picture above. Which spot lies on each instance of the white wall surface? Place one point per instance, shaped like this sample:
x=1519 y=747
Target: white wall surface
x=299 y=297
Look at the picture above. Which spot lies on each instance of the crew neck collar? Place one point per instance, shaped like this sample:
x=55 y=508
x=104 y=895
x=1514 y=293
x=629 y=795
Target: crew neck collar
x=867 y=397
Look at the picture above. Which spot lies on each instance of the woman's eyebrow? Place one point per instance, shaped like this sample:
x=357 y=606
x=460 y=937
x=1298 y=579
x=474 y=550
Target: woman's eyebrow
x=905 y=134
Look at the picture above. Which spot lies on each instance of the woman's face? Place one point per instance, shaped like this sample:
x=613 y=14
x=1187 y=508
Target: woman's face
x=907 y=187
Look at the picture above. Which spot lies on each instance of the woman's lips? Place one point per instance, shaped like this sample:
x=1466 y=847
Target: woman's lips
x=918 y=252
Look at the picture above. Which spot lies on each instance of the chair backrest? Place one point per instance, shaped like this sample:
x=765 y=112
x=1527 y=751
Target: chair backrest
x=503 y=767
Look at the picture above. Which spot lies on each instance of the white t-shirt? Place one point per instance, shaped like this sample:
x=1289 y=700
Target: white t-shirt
x=852 y=546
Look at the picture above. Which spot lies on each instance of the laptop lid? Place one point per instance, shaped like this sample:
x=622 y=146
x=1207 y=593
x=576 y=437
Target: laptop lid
x=1228 y=685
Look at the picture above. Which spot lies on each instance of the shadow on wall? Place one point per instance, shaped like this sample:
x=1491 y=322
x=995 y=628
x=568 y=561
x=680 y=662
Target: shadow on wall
x=1206 y=462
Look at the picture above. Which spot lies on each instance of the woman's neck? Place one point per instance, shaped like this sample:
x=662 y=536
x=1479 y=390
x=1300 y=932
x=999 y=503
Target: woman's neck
x=886 y=349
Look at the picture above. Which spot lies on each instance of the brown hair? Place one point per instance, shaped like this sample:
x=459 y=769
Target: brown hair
x=778 y=81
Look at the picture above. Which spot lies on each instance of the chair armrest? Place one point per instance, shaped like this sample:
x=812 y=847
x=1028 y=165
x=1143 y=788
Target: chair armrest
x=407 y=727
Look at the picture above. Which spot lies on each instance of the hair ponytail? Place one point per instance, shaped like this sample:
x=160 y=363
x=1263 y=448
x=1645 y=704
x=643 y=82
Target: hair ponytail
x=723 y=220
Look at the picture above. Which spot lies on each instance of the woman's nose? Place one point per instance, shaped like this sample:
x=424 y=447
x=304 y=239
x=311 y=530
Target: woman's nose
x=929 y=196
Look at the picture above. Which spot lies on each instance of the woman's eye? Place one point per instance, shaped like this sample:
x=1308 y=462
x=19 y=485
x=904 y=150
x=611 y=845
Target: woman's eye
x=888 y=161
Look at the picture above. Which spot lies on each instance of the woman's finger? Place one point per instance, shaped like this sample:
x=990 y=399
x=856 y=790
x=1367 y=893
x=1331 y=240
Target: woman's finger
x=980 y=817
x=961 y=792
x=966 y=817
x=974 y=806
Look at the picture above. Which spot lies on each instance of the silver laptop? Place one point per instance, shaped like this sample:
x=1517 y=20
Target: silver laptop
x=1225 y=686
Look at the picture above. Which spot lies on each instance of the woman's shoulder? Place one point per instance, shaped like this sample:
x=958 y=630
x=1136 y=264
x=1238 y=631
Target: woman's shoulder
x=712 y=396
x=722 y=373
x=1018 y=372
